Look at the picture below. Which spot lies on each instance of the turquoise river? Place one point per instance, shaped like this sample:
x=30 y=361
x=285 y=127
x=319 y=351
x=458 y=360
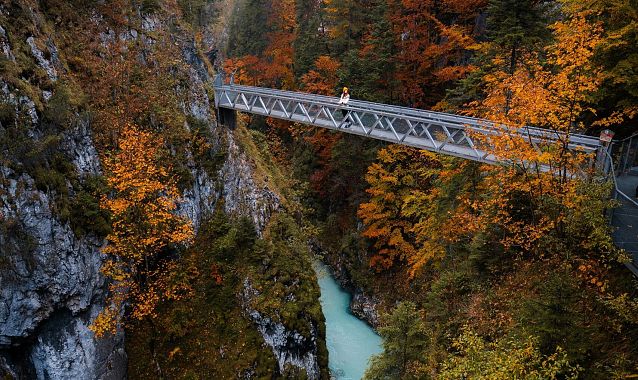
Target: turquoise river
x=351 y=342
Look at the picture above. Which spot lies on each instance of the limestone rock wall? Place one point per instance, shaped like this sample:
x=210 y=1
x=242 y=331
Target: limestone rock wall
x=50 y=282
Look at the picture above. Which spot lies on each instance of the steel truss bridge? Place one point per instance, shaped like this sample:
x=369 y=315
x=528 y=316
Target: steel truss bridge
x=444 y=133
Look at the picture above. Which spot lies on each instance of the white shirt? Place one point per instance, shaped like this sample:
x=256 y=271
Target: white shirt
x=345 y=98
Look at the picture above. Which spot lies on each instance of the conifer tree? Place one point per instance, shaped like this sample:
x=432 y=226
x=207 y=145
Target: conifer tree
x=514 y=30
x=248 y=28
x=405 y=339
x=517 y=26
x=309 y=43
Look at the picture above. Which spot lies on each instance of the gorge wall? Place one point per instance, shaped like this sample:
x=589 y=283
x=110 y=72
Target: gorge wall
x=51 y=286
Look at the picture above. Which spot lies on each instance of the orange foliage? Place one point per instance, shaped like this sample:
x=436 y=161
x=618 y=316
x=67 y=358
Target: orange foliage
x=126 y=91
x=430 y=52
x=248 y=70
x=323 y=78
x=279 y=53
x=399 y=173
x=274 y=68
x=537 y=189
x=528 y=202
x=145 y=228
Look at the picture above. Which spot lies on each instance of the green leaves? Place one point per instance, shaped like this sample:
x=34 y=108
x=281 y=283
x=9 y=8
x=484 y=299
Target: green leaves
x=504 y=359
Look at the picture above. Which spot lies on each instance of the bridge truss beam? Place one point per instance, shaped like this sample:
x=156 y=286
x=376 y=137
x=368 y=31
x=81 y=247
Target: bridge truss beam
x=434 y=131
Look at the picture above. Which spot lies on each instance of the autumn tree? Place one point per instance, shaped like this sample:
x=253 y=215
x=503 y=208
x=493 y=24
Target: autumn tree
x=504 y=359
x=248 y=70
x=617 y=97
x=430 y=52
x=311 y=41
x=514 y=30
x=347 y=22
x=398 y=173
x=279 y=53
x=145 y=231
x=538 y=191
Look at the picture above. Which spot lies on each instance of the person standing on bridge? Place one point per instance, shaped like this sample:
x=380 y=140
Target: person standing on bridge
x=345 y=98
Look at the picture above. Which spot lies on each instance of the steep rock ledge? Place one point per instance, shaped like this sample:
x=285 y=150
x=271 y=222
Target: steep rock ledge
x=51 y=286
x=50 y=281
x=54 y=281
x=241 y=194
x=291 y=348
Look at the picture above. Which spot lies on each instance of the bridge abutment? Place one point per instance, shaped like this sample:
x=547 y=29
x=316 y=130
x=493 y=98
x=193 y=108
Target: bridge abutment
x=227 y=117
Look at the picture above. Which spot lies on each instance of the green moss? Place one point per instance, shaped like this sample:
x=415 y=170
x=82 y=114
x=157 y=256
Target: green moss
x=267 y=172
x=150 y=6
x=65 y=104
x=205 y=336
x=86 y=214
x=210 y=158
x=74 y=200
x=7 y=114
x=208 y=335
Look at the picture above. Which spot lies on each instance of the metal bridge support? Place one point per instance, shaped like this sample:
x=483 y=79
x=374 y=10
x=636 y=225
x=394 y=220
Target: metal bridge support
x=227 y=117
x=438 y=132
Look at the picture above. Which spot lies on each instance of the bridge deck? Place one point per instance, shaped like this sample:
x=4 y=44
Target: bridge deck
x=435 y=131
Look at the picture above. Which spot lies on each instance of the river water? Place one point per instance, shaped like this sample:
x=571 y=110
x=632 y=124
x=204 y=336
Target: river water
x=351 y=342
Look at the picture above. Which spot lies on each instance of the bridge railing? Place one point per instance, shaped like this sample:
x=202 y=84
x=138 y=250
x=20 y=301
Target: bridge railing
x=434 y=131
x=624 y=217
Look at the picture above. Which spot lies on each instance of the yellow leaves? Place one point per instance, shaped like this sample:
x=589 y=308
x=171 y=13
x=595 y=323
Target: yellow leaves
x=398 y=182
x=106 y=322
x=618 y=117
x=173 y=352
x=144 y=228
x=592 y=273
x=551 y=95
x=522 y=201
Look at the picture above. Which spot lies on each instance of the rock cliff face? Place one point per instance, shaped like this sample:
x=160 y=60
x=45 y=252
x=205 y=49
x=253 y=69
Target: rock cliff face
x=54 y=281
x=365 y=308
x=240 y=191
x=50 y=282
x=291 y=348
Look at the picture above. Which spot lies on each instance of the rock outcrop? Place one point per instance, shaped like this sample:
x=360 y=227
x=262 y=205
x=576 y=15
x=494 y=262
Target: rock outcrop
x=50 y=279
x=241 y=194
x=51 y=286
x=365 y=308
x=293 y=350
